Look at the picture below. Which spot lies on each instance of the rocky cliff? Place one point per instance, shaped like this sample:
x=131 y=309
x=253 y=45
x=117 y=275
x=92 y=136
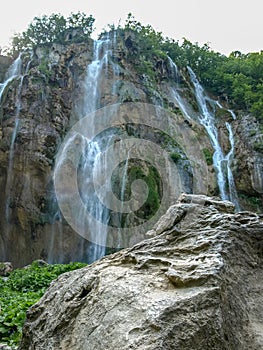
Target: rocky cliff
x=196 y=283
x=39 y=106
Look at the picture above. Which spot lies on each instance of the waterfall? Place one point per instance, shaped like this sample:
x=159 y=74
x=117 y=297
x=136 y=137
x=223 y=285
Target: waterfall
x=93 y=77
x=93 y=164
x=92 y=168
x=229 y=157
x=222 y=163
x=13 y=72
x=175 y=90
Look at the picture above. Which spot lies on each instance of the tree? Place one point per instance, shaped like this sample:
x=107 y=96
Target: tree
x=49 y=29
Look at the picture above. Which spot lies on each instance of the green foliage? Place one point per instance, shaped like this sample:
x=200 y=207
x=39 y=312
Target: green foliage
x=237 y=78
x=208 y=156
x=23 y=288
x=258 y=146
x=146 y=48
x=50 y=29
x=153 y=182
x=44 y=68
x=255 y=203
x=175 y=156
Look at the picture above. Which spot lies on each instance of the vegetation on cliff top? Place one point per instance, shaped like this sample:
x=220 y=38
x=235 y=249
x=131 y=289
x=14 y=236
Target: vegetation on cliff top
x=238 y=79
x=23 y=288
x=53 y=28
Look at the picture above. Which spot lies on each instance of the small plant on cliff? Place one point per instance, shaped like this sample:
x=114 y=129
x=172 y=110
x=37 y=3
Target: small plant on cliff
x=175 y=156
x=23 y=288
x=208 y=156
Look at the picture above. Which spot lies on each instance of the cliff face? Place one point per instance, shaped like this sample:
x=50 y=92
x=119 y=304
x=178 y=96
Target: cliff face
x=41 y=104
x=196 y=283
x=29 y=209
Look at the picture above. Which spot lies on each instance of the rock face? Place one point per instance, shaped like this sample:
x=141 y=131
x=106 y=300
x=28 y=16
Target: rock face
x=29 y=213
x=38 y=109
x=195 y=284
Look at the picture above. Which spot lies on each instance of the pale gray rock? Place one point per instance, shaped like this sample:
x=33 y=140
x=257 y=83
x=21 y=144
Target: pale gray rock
x=198 y=284
x=5 y=268
x=5 y=347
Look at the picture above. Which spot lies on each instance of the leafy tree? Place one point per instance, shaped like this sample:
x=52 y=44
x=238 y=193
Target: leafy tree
x=49 y=29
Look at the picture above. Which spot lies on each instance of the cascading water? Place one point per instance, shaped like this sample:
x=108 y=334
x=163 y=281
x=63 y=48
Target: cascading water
x=94 y=75
x=175 y=93
x=13 y=71
x=231 y=182
x=221 y=162
x=92 y=163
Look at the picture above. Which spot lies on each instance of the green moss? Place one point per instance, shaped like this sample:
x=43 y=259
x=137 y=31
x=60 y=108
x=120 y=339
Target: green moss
x=258 y=146
x=44 y=68
x=252 y=133
x=253 y=202
x=144 y=171
x=175 y=156
x=208 y=156
x=152 y=180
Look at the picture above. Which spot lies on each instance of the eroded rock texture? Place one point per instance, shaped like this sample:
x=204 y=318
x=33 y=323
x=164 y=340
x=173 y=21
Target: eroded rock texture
x=195 y=284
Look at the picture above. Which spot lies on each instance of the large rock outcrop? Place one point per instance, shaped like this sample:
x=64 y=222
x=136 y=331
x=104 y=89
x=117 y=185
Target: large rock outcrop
x=40 y=106
x=196 y=283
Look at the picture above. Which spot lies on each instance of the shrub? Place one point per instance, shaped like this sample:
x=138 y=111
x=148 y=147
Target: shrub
x=23 y=288
x=175 y=156
x=208 y=156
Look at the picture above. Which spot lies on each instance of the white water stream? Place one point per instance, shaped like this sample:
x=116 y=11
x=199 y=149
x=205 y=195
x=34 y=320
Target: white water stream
x=93 y=164
x=222 y=162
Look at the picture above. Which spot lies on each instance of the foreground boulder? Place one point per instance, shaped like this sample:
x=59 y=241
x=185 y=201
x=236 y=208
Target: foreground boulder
x=196 y=283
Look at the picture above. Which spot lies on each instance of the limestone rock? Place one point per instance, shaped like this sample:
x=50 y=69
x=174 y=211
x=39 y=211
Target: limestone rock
x=5 y=347
x=197 y=284
x=5 y=268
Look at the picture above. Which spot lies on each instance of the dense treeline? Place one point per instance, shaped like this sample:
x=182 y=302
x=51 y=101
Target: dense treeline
x=238 y=79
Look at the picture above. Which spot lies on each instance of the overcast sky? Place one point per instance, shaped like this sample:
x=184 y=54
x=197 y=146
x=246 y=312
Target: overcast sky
x=227 y=25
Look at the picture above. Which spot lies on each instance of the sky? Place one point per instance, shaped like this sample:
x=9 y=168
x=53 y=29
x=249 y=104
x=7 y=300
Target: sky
x=226 y=25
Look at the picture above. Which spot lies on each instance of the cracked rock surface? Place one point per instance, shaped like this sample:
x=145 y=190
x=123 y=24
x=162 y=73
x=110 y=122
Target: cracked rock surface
x=196 y=283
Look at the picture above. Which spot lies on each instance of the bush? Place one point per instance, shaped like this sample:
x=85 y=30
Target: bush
x=23 y=288
x=208 y=156
x=175 y=156
x=258 y=146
